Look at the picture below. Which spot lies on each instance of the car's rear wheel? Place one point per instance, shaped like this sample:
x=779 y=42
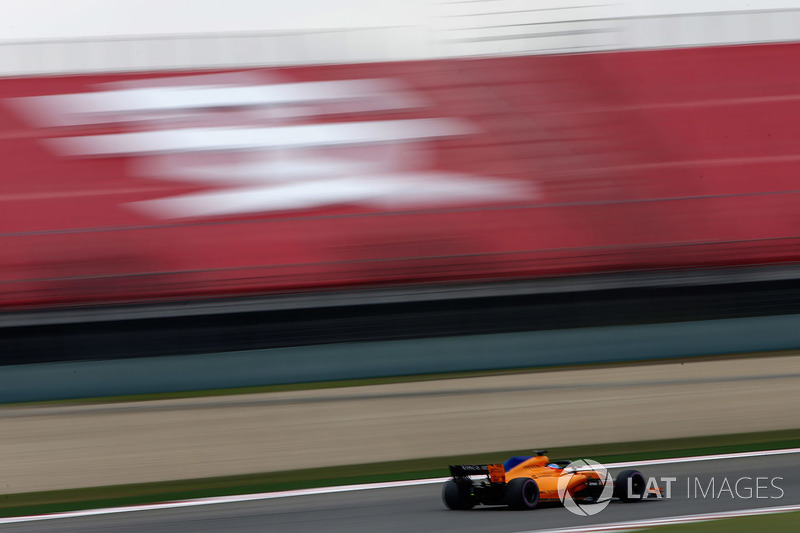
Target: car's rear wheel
x=522 y=493
x=458 y=496
x=630 y=486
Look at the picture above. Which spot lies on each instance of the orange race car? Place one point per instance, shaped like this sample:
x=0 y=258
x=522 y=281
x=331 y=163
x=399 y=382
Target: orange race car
x=524 y=482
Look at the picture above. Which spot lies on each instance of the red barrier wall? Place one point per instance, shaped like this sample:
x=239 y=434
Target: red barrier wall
x=589 y=163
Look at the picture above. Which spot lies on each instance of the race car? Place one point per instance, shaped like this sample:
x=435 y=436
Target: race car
x=523 y=482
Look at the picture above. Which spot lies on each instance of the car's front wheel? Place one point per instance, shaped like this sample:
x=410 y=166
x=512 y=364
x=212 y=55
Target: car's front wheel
x=630 y=486
x=522 y=493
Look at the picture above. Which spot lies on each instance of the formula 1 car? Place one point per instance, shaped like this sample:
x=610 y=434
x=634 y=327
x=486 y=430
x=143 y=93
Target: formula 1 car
x=524 y=482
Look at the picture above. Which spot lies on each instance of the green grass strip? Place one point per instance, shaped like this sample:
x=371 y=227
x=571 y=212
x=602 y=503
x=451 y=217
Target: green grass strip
x=112 y=496
x=742 y=524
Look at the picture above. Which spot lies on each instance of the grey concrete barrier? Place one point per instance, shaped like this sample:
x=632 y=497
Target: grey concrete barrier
x=52 y=381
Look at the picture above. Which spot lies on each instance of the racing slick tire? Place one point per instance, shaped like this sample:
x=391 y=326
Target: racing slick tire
x=633 y=479
x=522 y=493
x=457 y=497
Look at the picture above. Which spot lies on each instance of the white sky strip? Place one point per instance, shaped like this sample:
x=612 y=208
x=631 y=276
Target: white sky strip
x=24 y=20
x=112 y=35
x=410 y=483
x=227 y=139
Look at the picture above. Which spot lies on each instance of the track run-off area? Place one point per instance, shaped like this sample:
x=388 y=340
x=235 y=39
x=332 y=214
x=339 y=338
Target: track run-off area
x=53 y=447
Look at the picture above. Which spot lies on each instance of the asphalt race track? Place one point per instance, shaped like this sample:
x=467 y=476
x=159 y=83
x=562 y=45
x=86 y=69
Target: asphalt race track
x=419 y=508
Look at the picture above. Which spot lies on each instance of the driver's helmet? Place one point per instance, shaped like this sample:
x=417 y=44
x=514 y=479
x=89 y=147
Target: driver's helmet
x=553 y=465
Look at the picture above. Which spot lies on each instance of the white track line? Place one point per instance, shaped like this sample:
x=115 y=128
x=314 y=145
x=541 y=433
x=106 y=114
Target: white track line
x=352 y=488
x=716 y=457
x=636 y=525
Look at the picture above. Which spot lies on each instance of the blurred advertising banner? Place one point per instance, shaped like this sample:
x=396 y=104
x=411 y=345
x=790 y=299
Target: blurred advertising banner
x=190 y=184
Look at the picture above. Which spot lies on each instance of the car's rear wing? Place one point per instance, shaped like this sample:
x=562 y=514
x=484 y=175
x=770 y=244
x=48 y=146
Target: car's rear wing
x=495 y=472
